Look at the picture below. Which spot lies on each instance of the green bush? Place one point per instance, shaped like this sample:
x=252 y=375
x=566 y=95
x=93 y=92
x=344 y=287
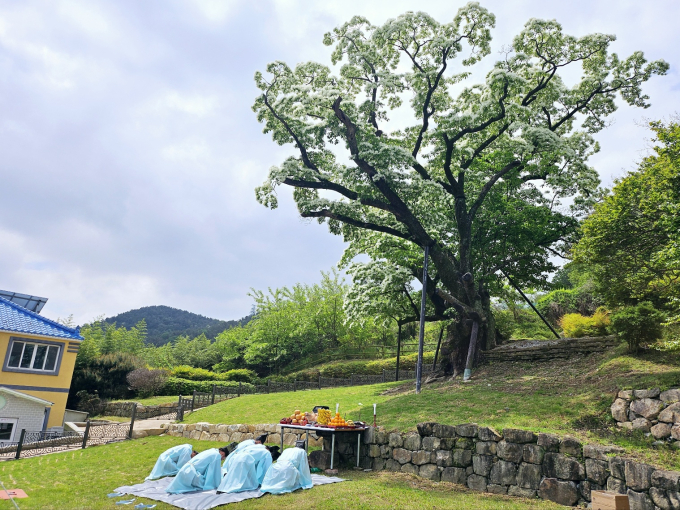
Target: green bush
x=238 y=375
x=105 y=375
x=638 y=325
x=176 y=386
x=576 y=325
x=192 y=373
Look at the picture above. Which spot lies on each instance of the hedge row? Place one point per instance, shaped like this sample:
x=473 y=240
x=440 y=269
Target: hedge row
x=176 y=386
x=344 y=369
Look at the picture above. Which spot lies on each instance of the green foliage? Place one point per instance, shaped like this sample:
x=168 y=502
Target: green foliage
x=344 y=369
x=193 y=374
x=201 y=374
x=632 y=240
x=238 y=375
x=106 y=375
x=165 y=323
x=491 y=176
x=515 y=319
x=576 y=325
x=638 y=325
x=176 y=386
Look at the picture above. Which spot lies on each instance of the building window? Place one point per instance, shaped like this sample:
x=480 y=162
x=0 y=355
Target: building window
x=30 y=356
x=6 y=431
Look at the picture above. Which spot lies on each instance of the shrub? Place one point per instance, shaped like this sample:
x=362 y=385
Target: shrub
x=105 y=375
x=90 y=403
x=147 y=382
x=176 y=386
x=238 y=375
x=193 y=374
x=638 y=325
x=576 y=325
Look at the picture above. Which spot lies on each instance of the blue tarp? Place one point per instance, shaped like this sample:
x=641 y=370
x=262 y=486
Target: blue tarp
x=170 y=461
x=289 y=473
x=203 y=472
x=200 y=500
x=245 y=469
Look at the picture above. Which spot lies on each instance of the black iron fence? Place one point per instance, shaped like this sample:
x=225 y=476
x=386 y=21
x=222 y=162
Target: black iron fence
x=34 y=443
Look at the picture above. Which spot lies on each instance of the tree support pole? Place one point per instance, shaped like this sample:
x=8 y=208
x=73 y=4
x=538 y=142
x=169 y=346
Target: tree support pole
x=471 y=352
x=436 y=353
x=398 y=350
x=421 y=339
x=531 y=305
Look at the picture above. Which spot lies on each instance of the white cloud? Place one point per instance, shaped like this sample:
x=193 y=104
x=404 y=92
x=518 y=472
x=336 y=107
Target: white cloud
x=130 y=152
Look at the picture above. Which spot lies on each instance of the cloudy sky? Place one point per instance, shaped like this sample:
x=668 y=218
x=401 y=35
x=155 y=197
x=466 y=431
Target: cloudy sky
x=129 y=153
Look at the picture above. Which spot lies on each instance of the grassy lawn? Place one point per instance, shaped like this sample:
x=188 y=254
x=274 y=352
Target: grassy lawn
x=81 y=480
x=152 y=401
x=272 y=407
x=564 y=397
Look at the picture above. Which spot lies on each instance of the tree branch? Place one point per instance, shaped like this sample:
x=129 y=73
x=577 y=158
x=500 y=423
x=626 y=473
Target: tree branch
x=325 y=213
x=303 y=152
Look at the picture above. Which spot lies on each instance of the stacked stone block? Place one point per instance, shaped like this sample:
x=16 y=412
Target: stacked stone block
x=651 y=411
x=236 y=433
x=515 y=462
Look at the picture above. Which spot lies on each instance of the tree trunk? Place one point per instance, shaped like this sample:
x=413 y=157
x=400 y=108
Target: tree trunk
x=454 y=350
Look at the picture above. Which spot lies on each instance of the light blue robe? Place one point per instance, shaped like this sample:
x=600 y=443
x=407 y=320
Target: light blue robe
x=245 y=469
x=290 y=473
x=240 y=447
x=202 y=473
x=170 y=461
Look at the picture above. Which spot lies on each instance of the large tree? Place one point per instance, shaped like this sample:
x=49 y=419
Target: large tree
x=394 y=153
x=631 y=242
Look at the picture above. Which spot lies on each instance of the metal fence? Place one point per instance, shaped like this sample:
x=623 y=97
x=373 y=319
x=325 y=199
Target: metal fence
x=35 y=443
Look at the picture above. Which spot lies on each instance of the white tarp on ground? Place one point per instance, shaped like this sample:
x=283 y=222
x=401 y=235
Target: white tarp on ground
x=200 y=500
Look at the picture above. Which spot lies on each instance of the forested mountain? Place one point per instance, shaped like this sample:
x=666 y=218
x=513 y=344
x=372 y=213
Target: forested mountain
x=165 y=323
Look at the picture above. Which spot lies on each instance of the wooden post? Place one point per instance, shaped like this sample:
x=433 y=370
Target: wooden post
x=132 y=419
x=239 y=388
x=21 y=443
x=383 y=378
x=213 y=394
x=180 y=410
x=319 y=380
x=193 y=401
x=87 y=433
x=294 y=384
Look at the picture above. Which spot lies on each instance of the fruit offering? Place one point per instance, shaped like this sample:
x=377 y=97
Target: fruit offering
x=298 y=418
x=324 y=417
x=338 y=421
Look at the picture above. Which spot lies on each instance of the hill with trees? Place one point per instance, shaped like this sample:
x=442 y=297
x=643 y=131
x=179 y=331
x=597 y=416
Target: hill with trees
x=165 y=323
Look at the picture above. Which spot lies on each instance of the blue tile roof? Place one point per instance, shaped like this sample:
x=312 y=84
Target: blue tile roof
x=18 y=319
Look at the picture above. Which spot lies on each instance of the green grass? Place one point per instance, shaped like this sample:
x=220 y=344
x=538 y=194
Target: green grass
x=152 y=401
x=81 y=479
x=272 y=407
x=562 y=397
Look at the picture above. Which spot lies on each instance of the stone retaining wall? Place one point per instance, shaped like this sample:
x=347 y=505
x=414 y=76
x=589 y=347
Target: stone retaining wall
x=514 y=462
x=549 y=350
x=239 y=432
x=651 y=411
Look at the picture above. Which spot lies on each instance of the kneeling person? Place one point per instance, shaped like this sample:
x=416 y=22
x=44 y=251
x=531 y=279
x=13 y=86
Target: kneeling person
x=290 y=473
x=245 y=468
x=171 y=460
x=202 y=473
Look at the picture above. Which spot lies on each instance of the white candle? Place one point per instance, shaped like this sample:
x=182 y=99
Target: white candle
x=337 y=408
x=374 y=406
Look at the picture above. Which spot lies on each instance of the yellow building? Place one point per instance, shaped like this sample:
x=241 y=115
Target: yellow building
x=38 y=359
